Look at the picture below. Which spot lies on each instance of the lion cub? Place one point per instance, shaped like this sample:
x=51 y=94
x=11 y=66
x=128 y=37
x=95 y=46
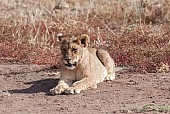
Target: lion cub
x=82 y=67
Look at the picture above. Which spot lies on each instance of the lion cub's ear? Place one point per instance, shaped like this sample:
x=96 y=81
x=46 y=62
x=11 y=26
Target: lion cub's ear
x=84 y=40
x=60 y=37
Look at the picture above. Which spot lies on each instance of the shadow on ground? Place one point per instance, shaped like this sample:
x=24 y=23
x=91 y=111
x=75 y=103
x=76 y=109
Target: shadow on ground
x=37 y=86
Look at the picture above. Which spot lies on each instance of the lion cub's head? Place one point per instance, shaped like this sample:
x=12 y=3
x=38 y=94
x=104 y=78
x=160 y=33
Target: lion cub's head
x=72 y=49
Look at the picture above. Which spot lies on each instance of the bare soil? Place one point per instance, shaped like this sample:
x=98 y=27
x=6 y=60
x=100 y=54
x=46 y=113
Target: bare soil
x=24 y=89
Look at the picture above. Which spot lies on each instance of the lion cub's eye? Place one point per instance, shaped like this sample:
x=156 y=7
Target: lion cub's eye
x=74 y=49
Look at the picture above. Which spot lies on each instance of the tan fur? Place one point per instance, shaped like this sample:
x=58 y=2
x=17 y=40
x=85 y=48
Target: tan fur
x=82 y=67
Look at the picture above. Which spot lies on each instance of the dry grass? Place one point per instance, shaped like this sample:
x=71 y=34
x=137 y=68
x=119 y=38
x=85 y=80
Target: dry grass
x=136 y=33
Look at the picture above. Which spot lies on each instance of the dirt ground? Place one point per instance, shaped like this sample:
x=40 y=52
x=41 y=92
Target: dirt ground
x=24 y=89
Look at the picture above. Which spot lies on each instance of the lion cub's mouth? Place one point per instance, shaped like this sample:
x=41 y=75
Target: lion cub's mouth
x=70 y=66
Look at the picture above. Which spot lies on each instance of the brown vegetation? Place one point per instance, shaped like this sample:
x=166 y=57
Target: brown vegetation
x=136 y=33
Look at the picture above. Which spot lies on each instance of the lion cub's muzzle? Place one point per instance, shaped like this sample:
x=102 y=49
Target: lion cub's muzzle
x=69 y=64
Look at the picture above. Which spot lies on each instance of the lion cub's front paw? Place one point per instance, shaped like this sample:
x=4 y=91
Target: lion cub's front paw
x=72 y=90
x=55 y=91
x=59 y=89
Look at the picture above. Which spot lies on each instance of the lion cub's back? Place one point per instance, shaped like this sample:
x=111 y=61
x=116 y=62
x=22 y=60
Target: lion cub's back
x=99 y=71
x=104 y=58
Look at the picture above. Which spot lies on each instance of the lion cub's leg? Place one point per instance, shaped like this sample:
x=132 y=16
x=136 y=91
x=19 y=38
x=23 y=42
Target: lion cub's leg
x=83 y=84
x=108 y=62
x=60 y=88
x=111 y=76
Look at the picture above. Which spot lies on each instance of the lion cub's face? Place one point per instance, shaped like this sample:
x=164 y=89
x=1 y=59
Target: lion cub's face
x=72 y=50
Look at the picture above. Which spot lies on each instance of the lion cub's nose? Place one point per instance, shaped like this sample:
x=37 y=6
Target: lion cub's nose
x=68 y=60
